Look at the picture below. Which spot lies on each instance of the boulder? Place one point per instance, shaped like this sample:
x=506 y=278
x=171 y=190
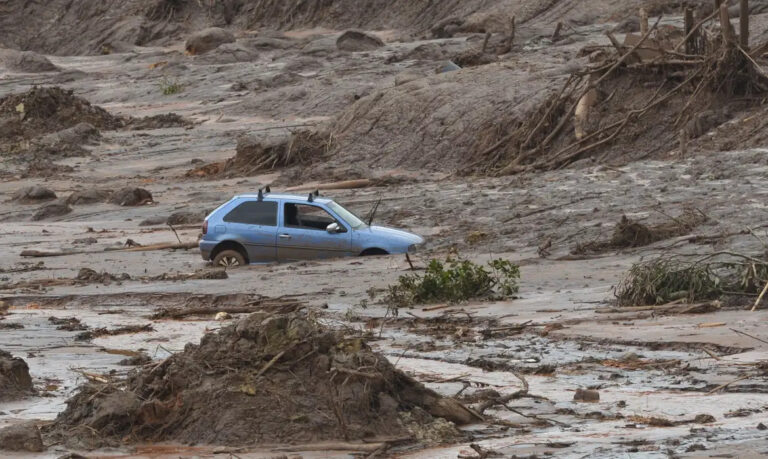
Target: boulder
x=130 y=196
x=55 y=209
x=356 y=40
x=22 y=437
x=208 y=39
x=34 y=193
x=26 y=61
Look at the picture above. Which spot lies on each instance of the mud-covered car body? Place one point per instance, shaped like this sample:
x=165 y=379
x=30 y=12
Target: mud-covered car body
x=284 y=227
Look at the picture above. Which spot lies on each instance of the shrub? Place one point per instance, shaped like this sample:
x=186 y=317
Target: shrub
x=170 y=87
x=455 y=280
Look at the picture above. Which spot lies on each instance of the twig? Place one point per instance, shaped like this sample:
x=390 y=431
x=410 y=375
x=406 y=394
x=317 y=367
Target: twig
x=747 y=334
x=723 y=386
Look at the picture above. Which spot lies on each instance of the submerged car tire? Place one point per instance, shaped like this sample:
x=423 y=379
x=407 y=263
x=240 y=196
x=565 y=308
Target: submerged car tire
x=229 y=259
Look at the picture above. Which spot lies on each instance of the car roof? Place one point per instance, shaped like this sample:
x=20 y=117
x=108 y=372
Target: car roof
x=288 y=197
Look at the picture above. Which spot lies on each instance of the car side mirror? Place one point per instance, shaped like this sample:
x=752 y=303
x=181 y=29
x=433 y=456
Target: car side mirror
x=333 y=228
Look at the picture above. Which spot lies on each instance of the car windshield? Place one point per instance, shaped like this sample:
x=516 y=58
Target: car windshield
x=353 y=220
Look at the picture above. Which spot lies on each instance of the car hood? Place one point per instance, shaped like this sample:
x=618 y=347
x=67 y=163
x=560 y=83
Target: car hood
x=391 y=233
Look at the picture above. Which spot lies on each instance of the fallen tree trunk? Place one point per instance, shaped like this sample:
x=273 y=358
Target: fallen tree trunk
x=343 y=185
x=143 y=248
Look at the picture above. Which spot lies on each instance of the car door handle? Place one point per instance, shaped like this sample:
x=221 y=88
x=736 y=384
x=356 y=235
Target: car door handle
x=285 y=236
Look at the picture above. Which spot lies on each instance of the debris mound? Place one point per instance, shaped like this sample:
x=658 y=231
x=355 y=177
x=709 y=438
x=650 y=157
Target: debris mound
x=637 y=103
x=15 y=381
x=256 y=153
x=167 y=120
x=43 y=110
x=54 y=209
x=207 y=40
x=130 y=196
x=266 y=378
x=34 y=193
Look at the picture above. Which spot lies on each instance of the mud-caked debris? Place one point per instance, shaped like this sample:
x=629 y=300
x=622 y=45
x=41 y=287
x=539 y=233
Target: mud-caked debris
x=21 y=437
x=185 y=218
x=267 y=378
x=357 y=40
x=26 y=61
x=89 y=196
x=55 y=209
x=124 y=330
x=167 y=120
x=90 y=275
x=15 y=381
x=586 y=395
x=207 y=40
x=67 y=323
x=33 y=194
x=130 y=196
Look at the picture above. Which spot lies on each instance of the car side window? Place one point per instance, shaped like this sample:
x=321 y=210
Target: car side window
x=305 y=216
x=262 y=213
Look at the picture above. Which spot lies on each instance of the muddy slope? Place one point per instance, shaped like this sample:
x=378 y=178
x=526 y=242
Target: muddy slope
x=65 y=27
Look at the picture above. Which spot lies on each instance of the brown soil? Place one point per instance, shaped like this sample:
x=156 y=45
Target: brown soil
x=281 y=378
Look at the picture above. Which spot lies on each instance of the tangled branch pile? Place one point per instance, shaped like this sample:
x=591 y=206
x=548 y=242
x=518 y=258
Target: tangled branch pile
x=654 y=87
x=267 y=378
x=672 y=278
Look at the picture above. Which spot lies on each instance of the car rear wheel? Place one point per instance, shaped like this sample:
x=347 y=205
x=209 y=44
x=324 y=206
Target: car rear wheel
x=229 y=259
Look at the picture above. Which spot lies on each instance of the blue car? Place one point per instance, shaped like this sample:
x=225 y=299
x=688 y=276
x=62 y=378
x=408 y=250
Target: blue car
x=262 y=228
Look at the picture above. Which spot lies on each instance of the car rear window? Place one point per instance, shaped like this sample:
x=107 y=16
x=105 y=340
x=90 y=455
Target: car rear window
x=262 y=213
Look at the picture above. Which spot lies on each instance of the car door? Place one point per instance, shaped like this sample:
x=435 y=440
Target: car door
x=302 y=234
x=254 y=225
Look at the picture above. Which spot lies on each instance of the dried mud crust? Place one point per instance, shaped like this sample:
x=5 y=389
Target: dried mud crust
x=265 y=379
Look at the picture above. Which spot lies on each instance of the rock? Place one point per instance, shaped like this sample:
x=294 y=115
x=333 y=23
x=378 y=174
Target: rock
x=22 y=437
x=762 y=426
x=85 y=197
x=208 y=39
x=586 y=395
x=34 y=193
x=130 y=196
x=356 y=40
x=55 y=209
x=15 y=381
x=26 y=61
x=704 y=419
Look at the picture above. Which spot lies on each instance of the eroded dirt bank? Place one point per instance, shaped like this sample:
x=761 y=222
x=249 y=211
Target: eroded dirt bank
x=142 y=120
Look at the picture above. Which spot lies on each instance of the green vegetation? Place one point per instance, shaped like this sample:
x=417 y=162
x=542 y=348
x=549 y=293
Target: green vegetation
x=455 y=280
x=670 y=278
x=170 y=87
